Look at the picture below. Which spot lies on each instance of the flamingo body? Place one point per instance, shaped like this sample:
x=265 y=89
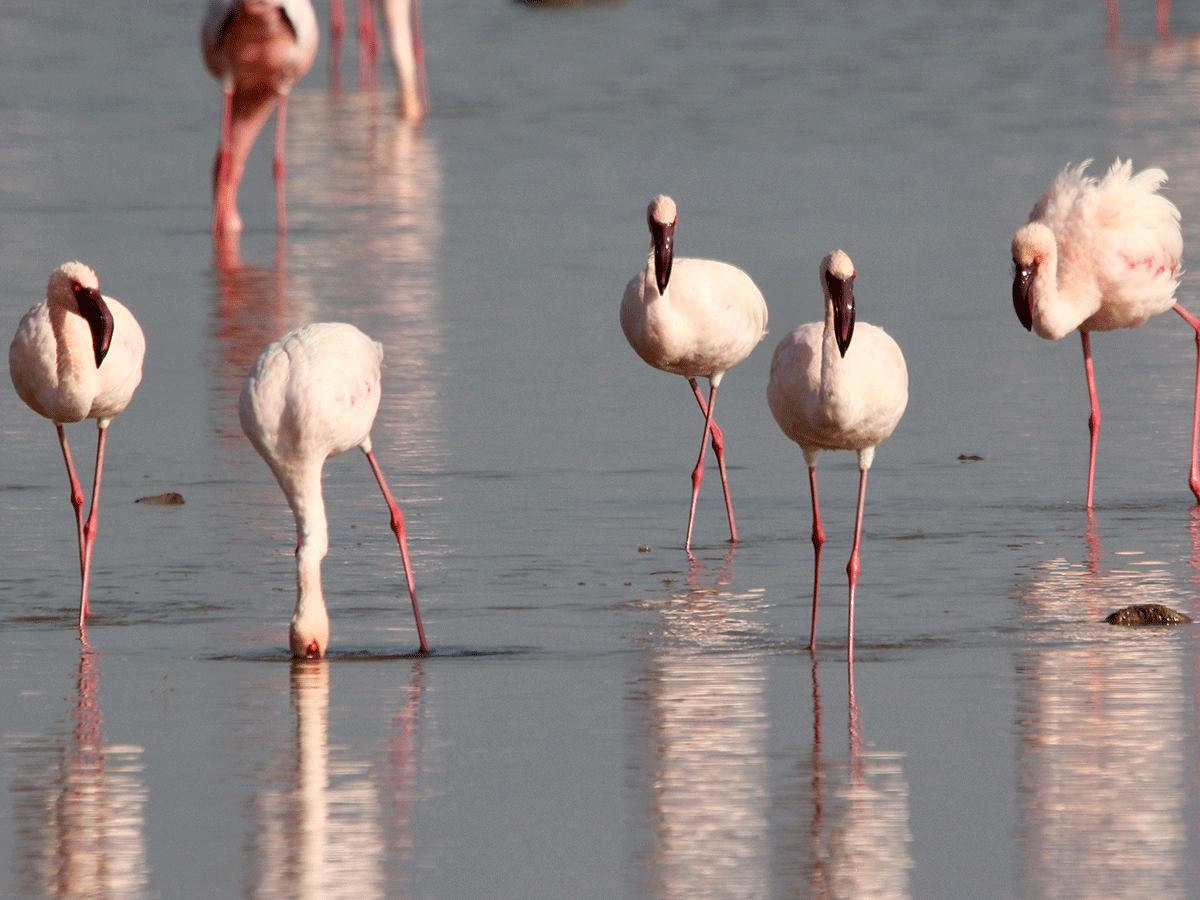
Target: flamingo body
x=258 y=50
x=692 y=317
x=1098 y=255
x=78 y=355
x=311 y=395
x=838 y=385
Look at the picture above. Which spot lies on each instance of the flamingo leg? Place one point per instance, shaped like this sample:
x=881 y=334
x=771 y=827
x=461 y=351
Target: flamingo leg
x=280 y=165
x=698 y=472
x=718 y=445
x=90 y=526
x=853 y=567
x=1094 y=418
x=400 y=532
x=1194 y=471
x=337 y=32
x=223 y=199
x=76 y=494
x=368 y=46
x=818 y=541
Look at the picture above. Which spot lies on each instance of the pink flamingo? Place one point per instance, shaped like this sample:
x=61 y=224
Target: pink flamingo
x=258 y=50
x=1098 y=255
x=695 y=318
x=403 y=21
x=311 y=395
x=827 y=393
x=78 y=355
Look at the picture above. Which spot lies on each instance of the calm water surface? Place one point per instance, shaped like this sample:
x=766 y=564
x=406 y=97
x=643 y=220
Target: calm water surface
x=601 y=716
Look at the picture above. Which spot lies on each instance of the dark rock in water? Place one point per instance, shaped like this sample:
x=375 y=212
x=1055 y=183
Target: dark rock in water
x=1148 y=614
x=969 y=457
x=170 y=498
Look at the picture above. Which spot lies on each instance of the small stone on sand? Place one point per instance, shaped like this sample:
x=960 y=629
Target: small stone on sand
x=170 y=498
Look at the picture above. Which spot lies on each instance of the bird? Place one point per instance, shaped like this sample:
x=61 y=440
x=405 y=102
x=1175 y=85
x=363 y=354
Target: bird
x=403 y=21
x=311 y=395
x=1097 y=255
x=838 y=385
x=78 y=355
x=258 y=50
x=695 y=318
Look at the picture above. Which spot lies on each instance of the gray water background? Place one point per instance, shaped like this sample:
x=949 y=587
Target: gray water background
x=602 y=717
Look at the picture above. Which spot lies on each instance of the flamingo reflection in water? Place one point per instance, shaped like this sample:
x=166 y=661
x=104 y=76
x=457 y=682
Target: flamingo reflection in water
x=1104 y=718
x=79 y=804
x=331 y=829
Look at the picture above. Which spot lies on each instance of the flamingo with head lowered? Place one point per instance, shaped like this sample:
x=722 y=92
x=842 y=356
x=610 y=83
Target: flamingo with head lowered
x=311 y=395
x=1097 y=255
x=695 y=318
x=258 y=50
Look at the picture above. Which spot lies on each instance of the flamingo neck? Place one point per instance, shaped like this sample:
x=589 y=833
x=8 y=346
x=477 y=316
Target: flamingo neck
x=76 y=365
x=310 y=621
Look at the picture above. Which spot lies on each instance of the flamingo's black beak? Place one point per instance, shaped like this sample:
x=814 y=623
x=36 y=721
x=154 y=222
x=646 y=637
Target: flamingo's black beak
x=96 y=313
x=663 y=236
x=1022 y=278
x=841 y=292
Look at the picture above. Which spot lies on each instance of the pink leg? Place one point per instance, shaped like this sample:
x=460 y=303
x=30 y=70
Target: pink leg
x=1162 y=18
x=698 y=472
x=89 y=527
x=718 y=444
x=222 y=197
x=818 y=541
x=1194 y=472
x=337 y=31
x=1094 y=419
x=398 y=528
x=76 y=498
x=280 y=165
x=1114 y=22
x=368 y=46
x=853 y=567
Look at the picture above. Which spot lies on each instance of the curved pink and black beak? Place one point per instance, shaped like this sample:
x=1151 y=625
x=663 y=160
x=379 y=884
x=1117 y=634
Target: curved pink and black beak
x=662 y=235
x=96 y=313
x=841 y=292
x=1022 y=278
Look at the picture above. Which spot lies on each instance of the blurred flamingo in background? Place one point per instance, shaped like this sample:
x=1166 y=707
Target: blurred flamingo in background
x=258 y=50
x=78 y=355
x=838 y=385
x=311 y=395
x=1097 y=255
x=695 y=318
x=403 y=21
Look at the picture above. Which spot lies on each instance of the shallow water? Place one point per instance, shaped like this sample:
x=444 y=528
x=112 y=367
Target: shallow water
x=600 y=716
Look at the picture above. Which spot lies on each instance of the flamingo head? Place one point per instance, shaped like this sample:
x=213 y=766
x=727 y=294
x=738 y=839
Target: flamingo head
x=837 y=276
x=1033 y=251
x=309 y=636
x=661 y=217
x=74 y=286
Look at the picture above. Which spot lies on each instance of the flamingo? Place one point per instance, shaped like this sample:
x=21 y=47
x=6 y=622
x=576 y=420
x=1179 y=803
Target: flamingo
x=403 y=20
x=78 y=355
x=258 y=50
x=827 y=393
x=1098 y=255
x=695 y=318
x=311 y=395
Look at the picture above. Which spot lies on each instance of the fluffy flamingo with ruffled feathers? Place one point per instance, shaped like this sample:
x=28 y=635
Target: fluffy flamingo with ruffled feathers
x=311 y=395
x=78 y=355
x=258 y=50
x=838 y=384
x=695 y=318
x=1097 y=255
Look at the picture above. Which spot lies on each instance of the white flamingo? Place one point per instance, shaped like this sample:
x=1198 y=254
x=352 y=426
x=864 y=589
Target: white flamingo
x=311 y=395
x=78 y=355
x=1098 y=255
x=838 y=385
x=695 y=318
x=403 y=21
x=258 y=50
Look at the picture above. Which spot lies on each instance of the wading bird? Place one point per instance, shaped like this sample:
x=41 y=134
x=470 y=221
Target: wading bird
x=258 y=50
x=838 y=385
x=1098 y=255
x=695 y=318
x=78 y=355
x=311 y=395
